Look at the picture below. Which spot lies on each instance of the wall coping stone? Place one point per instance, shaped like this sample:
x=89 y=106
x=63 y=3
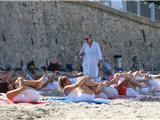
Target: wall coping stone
x=127 y=15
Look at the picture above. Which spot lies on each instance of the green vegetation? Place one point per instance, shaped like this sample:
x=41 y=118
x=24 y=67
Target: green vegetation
x=155 y=2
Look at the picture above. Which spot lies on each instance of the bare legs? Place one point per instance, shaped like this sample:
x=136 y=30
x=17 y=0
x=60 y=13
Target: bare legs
x=21 y=85
x=97 y=87
x=13 y=93
x=32 y=83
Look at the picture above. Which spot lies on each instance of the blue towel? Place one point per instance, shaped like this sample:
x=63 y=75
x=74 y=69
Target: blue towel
x=96 y=101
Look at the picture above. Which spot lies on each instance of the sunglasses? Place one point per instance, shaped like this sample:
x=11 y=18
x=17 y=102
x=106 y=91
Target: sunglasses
x=86 y=38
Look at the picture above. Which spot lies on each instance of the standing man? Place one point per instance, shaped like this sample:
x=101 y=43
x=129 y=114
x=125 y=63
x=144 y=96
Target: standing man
x=91 y=54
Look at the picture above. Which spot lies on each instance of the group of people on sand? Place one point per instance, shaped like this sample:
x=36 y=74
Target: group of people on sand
x=130 y=84
x=78 y=86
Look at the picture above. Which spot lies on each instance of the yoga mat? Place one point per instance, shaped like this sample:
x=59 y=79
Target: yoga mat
x=62 y=99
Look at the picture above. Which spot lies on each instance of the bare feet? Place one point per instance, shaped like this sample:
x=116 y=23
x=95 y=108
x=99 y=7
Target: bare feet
x=129 y=72
x=19 y=82
x=141 y=71
x=135 y=74
x=80 y=74
x=147 y=77
x=42 y=80
x=113 y=81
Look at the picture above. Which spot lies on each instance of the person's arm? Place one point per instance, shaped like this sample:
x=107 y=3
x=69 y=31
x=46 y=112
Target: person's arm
x=99 y=55
x=99 y=63
x=11 y=94
x=82 y=53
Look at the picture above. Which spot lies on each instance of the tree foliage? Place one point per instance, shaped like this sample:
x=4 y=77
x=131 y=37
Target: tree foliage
x=155 y=2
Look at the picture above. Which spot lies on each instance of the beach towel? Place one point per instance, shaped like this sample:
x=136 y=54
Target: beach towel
x=38 y=102
x=63 y=99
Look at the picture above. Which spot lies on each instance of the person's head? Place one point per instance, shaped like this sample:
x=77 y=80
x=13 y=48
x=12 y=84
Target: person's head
x=88 y=39
x=5 y=86
x=69 y=67
x=63 y=81
x=109 y=73
x=32 y=69
x=21 y=74
x=44 y=68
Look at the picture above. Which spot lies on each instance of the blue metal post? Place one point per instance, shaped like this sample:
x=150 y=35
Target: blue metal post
x=152 y=11
x=138 y=8
x=124 y=5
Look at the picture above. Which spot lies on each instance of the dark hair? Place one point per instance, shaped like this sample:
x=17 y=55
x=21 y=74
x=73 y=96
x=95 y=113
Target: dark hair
x=53 y=66
x=44 y=68
x=89 y=36
x=69 y=67
x=4 y=86
x=31 y=63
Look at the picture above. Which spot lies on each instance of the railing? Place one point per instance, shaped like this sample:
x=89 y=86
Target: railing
x=144 y=9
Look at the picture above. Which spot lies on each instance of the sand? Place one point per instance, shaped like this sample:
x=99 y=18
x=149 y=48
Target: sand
x=119 y=109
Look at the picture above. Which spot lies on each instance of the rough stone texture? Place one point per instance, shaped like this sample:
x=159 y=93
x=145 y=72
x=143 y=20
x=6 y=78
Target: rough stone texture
x=43 y=31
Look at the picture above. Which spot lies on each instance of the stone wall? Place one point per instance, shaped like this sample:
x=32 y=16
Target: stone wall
x=44 y=31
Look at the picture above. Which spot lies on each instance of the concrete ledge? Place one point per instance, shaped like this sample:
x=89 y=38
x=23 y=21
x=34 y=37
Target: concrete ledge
x=126 y=15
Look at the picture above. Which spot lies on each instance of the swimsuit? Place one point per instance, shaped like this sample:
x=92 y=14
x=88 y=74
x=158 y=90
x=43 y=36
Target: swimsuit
x=78 y=96
x=28 y=95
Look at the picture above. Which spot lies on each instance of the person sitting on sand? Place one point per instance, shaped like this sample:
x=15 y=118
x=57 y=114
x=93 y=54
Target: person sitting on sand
x=6 y=76
x=32 y=73
x=84 y=89
x=22 y=90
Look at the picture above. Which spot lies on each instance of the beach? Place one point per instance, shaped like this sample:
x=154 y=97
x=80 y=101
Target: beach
x=117 y=109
